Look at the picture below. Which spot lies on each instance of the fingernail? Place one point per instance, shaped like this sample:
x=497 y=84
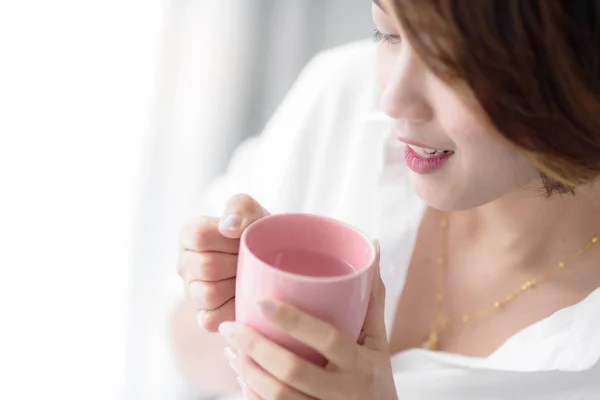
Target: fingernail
x=231 y=222
x=227 y=330
x=230 y=354
x=267 y=306
x=200 y=320
x=196 y=292
x=242 y=384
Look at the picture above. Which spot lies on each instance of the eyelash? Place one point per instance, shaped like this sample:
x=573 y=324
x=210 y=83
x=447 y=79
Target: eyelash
x=382 y=37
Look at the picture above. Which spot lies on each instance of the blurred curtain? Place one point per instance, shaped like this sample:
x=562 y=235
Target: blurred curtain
x=77 y=81
x=226 y=64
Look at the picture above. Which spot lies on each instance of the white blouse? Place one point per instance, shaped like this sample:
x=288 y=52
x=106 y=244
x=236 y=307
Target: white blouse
x=327 y=151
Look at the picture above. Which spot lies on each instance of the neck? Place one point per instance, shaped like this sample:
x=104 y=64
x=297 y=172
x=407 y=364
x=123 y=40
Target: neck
x=523 y=223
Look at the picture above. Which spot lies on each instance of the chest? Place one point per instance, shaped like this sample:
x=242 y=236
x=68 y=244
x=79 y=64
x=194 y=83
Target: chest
x=470 y=294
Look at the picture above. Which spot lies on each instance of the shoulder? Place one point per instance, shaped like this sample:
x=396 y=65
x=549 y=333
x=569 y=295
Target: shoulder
x=311 y=142
x=584 y=334
x=337 y=85
x=352 y=60
x=568 y=340
x=343 y=73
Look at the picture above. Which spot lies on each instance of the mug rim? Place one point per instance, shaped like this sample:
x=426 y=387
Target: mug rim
x=308 y=278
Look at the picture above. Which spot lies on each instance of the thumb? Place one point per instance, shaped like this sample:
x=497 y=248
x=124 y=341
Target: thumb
x=241 y=211
x=374 y=332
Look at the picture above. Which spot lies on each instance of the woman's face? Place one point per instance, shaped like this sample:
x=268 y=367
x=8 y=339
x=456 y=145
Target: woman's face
x=458 y=160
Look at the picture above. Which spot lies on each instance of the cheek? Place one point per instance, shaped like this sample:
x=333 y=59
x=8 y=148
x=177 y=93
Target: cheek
x=477 y=141
x=465 y=127
x=483 y=152
x=458 y=121
x=468 y=133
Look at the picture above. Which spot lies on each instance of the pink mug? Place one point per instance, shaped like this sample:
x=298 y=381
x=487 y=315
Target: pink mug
x=318 y=264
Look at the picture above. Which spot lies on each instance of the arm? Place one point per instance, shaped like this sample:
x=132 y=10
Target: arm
x=199 y=354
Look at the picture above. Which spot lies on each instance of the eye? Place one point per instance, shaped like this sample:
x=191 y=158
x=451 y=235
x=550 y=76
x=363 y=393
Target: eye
x=378 y=37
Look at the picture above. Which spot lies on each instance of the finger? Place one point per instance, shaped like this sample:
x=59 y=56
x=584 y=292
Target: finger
x=209 y=320
x=241 y=211
x=279 y=362
x=248 y=393
x=207 y=266
x=259 y=381
x=202 y=234
x=335 y=346
x=211 y=295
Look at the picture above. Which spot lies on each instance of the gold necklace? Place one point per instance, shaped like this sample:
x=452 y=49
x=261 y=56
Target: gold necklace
x=442 y=322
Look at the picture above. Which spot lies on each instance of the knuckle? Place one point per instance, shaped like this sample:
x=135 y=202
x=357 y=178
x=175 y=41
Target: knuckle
x=244 y=204
x=210 y=294
x=292 y=371
x=290 y=318
x=241 y=199
x=195 y=291
x=188 y=226
x=207 y=295
x=207 y=259
x=207 y=266
x=209 y=320
x=185 y=228
x=368 y=374
x=203 y=319
x=331 y=340
x=281 y=393
x=182 y=265
x=201 y=234
x=187 y=266
x=249 y=342
x=215 y=267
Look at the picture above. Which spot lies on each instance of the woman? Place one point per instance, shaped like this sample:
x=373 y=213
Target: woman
x=481 y=184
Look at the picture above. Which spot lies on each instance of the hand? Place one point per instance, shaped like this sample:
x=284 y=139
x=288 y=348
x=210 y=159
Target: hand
x=355 y=370
x=208 y=259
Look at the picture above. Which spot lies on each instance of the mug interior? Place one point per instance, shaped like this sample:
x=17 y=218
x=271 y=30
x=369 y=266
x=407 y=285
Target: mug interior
x=309 y=233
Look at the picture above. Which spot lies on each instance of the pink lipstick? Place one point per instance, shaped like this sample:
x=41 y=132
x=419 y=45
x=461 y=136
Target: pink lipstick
x=424 y=165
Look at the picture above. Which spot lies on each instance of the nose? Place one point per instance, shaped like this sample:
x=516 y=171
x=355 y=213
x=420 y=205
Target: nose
x=404 y=92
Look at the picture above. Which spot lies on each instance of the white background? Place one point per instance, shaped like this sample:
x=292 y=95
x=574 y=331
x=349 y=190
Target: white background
x=77 y=84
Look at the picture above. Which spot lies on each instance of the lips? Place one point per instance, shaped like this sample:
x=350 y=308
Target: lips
x=422 y=149
x=425 y=164
x=426 y=152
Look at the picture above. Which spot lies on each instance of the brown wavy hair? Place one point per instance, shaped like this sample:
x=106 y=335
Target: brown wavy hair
x=531 y=66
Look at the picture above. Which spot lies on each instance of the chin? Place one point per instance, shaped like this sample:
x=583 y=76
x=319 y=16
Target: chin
x=448 y=195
